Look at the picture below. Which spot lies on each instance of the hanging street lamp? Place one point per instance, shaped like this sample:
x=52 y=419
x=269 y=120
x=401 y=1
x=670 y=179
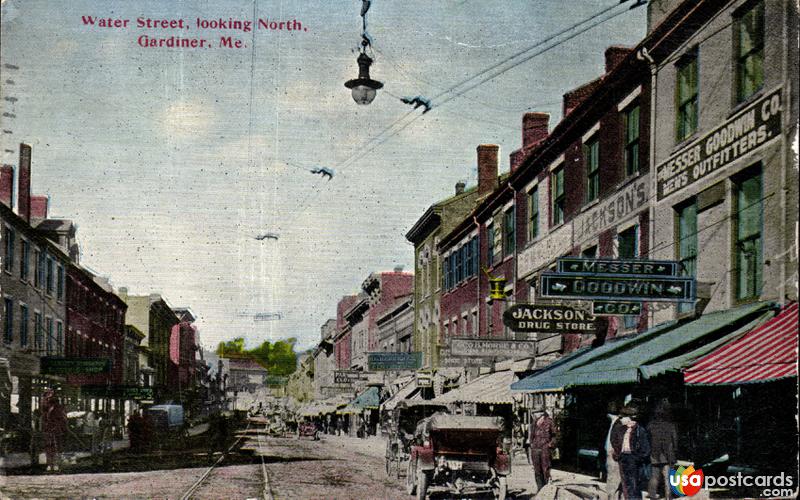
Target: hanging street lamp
x=364 y=89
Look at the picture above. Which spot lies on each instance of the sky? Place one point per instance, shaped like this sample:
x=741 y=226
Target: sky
x=170 y=161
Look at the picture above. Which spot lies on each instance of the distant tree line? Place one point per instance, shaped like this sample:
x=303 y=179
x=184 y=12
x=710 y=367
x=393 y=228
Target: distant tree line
x=278 y=358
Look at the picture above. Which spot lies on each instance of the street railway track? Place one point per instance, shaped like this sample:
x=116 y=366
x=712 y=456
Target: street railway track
x=266 y=491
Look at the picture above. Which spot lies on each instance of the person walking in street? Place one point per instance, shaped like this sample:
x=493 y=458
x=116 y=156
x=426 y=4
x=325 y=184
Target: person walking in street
x=90 y=429
x=664 y=444
x=54 y=427
x=613 y=484
x=542 y=435
x=632 y=450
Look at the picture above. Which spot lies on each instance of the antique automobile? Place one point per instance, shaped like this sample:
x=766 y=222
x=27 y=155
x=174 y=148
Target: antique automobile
x=400 y=425
x=464 y=454
x=308 y=429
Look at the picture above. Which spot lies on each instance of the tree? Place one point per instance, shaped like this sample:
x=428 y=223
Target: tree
x=278 y=358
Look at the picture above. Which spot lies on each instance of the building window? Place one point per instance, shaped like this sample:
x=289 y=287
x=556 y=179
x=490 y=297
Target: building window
x=509 y=231
x=8 y=320
x=533 y=214
x=490 y=234
x=447 y=273
x=475 y=323
x=631 y=119
x=10 y=237
x=49 y=332
x=627 y=243
x=24 y=261
x=749 y=52
x=591 y=155
x=60 y=283
x=747 y=248
x=50 y=277
x=558 y=196
x=589 y=253
x=60 y=338
x=476 y=255
x=459 y=268
x=40 y=265
x=628 y=246
x=23 y=325
x=687 y=244
x=37 y=331
x=686 y=97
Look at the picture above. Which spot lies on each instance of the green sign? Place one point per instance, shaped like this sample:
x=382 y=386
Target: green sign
x=600 y=287
x=275 y=380
x=73 y=366
x=618 y=266
x=608 y=308
x=118 y=391
x=383 y=361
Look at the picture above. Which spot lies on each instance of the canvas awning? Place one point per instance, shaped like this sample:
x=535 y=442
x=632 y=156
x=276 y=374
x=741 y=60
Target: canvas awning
x=369 y=399
x=406 y=392
x=769 y=352
x=666 y=347
x=494 y=388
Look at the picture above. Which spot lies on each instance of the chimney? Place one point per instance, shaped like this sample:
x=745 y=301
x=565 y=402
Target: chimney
x=487 y=168
x=39 y=207
x=24 y=191
x=614 y=55
x=6 y=185
x=460 y=187
x=534 y=128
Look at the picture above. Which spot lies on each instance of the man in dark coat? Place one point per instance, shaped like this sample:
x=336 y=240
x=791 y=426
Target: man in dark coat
x=664 y=444
x=631 y=446
x=542 y=435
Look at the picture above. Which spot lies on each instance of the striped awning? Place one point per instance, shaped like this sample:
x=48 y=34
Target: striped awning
x=769 y=352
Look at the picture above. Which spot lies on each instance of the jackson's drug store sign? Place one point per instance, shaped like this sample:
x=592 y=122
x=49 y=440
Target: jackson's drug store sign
x=749 y=129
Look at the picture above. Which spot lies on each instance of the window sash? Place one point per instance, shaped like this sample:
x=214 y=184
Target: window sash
x=557 y=182
x=748 y=248
x=687 y=99
x=10 y=237
x=592 y=156
x=24 y=262
x=23 y=326
x=533 y=210
x=8 y=321
x=510 y=232
x=750 y=52
x=632 y=141
x=627 y=243
x=38 y=330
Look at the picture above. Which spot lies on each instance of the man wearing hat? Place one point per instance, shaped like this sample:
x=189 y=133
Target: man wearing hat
x=631 y=445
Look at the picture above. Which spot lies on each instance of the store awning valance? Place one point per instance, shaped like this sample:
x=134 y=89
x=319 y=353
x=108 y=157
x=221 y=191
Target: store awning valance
x=769 y=352
x=667 y=347
x=494 y=388
x=369 y=399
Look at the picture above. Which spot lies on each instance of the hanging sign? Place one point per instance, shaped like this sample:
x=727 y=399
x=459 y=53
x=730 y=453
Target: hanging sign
x=618 y=287
x=752 y=127
x=577 y=265
x=383 y=361
x=347 y=377
x=609 y=308
x=118 y=391
x=73 y=366
x=275 y=380
x=548 y=319
x=492 y=348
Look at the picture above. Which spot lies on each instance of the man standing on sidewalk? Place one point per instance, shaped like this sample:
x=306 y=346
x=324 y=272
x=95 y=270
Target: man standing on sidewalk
x=632 y=450
x=542 y=433
x=664 y=439
x=613 y=485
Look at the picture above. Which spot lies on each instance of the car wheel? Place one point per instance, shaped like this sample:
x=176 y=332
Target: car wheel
x=502 y=488
x=411 y=478
x=422 y=488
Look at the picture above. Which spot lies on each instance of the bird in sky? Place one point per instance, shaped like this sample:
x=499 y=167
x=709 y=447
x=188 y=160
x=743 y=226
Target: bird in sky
x=267 y=236
x=323 y=171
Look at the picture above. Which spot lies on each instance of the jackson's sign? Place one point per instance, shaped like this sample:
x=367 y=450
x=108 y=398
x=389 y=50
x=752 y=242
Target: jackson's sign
x=626 y=202
x=548 y=319
x=618 y=287
x=751 y=128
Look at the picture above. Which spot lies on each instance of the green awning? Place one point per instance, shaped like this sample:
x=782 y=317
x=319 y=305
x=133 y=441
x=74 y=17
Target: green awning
x=368 y=400
x=664 y=348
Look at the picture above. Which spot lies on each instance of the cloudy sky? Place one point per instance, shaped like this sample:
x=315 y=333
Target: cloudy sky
x=170 y=161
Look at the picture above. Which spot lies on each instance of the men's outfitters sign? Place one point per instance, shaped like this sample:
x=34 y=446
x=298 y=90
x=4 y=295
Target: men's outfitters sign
x=577 y=265
x=608 y=308
x=611 y=287
x=383 y=361
x=490 y=348
x=751 y=128
x=74 y=366
x=548 y=319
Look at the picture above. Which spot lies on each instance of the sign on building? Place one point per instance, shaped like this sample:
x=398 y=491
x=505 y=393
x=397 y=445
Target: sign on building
x=611 y=287
x=70 y=366
x=578 y=265
x=749 y=129
x=118 y=391
x=616 y=308
x=347 y=377
x=492 y=348
x=383 y=361
x=275 y=380
x=548 y=319
x=624 y=203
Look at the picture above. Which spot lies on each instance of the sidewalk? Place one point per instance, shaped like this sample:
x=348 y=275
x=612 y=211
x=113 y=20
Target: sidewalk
x=15 y=460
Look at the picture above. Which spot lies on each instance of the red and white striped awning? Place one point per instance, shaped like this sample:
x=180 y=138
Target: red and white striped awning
x=769 y=352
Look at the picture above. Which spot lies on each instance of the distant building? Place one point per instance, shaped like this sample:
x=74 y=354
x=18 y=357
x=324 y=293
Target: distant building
x=396 y=327
x=324 y=361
